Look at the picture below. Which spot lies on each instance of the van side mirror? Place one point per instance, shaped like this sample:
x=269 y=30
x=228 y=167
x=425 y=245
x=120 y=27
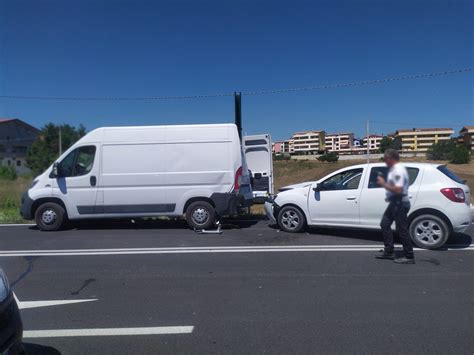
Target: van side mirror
x=318 y=187
x=55 y=171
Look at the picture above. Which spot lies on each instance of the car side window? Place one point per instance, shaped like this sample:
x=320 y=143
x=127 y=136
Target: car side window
x=346 y=180
x=79 y=162
x=383 y=170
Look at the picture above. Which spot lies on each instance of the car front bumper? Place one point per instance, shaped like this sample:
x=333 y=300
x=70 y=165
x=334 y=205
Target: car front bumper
x=270 y=211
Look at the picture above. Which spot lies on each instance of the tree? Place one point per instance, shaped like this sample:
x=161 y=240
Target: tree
x=388 y=143
x=331 y=157
x=45 y=149
x=441 y=150
x=459 y=155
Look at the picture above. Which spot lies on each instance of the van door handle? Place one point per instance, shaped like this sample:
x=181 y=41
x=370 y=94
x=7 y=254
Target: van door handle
x=93 y=180
x=350 y=198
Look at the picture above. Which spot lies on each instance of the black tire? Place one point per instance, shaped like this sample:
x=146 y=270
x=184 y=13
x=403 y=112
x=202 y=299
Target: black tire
x=428 y=231
x=291 y=219
x=200 y=215
x=50 y=216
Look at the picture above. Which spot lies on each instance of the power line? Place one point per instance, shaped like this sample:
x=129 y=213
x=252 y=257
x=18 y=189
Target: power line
x=257 y=92
x=411 y=124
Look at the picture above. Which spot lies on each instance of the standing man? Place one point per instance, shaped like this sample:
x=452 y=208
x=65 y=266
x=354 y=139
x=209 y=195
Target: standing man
x=396 y=188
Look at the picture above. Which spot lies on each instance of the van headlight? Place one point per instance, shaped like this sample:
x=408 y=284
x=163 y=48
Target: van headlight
x=4 y=286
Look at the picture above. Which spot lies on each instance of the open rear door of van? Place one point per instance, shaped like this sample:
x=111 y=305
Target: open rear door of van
x=258 y=154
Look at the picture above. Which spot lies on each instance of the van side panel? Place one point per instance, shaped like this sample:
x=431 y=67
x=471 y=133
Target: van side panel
x=200 y=165
x=156 y=170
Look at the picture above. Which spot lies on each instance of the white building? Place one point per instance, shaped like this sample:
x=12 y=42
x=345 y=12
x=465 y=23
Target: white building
x=339 y=142
x=373 y=141
x=308 y=142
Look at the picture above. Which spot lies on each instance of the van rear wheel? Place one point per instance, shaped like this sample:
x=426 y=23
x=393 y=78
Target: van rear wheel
x=200 y=215
x=50 y=216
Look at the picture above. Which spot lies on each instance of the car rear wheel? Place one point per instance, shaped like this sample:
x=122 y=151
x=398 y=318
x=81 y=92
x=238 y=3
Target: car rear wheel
x=200 y=215
x=429 y=231
x=50 y=216
x=291 y=219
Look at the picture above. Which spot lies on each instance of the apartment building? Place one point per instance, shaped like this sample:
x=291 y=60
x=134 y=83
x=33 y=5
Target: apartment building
x=308 y=142
x=420 y=139
x=467 y=134
x=16 y=137
x=339 y=142
x=373 y=142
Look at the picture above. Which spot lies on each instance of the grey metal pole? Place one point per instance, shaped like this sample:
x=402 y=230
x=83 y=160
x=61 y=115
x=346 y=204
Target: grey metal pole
x=238 y=112
x=368 y=144
x=60 y=142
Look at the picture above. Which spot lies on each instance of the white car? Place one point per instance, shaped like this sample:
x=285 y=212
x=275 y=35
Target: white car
x=350 y=197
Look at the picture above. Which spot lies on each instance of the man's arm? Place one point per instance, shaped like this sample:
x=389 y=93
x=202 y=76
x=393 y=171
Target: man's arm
x=392 y=188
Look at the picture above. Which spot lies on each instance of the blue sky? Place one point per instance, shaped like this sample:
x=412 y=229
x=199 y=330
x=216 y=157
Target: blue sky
x=158 y=48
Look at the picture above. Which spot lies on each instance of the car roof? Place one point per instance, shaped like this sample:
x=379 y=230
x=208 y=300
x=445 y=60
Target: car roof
x=410 y=164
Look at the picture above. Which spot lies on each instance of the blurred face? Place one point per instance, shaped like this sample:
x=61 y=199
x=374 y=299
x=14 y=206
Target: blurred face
x=389 y=161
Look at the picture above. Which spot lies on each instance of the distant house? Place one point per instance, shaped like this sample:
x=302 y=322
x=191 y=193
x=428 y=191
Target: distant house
x=467 y=134
x=16 y=138
x=420 y=139
x=339 y=142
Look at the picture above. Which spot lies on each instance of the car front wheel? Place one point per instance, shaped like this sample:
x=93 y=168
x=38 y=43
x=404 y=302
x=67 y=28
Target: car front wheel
x=291 y=219
x=429 y=231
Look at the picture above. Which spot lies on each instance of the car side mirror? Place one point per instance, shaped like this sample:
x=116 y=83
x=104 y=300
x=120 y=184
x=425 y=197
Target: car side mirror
x=318 y=187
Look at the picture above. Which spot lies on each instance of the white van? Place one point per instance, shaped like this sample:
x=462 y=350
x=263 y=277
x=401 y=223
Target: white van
x=196 y=170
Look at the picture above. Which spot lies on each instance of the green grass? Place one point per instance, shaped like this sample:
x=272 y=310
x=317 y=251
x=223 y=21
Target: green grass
x=10 y=194
x=285 y=173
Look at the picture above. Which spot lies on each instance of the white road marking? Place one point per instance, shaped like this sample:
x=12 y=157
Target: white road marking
x=56 y=333
x=214 y=249
x=17 y=224
x=38 y=304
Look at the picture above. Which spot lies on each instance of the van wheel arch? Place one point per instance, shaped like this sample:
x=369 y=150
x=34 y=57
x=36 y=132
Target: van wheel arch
x=196 y=199
x=40 y=201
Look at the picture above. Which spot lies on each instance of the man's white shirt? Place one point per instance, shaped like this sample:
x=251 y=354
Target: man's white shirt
x=398 y=176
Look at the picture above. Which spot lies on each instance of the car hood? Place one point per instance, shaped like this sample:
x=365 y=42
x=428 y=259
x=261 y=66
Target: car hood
x=296 y=186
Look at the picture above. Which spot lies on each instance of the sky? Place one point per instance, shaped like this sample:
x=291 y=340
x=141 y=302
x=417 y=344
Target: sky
x=125 y=48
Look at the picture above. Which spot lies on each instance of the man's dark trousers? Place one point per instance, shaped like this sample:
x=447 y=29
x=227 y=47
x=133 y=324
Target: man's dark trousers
x=397 y=211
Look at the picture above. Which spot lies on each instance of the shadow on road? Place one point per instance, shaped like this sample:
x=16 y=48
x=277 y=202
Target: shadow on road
x=36 y=349
x=130 y=223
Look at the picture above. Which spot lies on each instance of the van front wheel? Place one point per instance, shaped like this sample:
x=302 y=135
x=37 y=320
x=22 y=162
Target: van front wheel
x=200 y=215
x=50 y=216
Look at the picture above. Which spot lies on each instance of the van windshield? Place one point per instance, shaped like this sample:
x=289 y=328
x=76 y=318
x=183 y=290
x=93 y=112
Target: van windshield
x=444 y=169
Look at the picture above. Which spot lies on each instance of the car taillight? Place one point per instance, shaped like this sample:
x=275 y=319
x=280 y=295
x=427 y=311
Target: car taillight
x=454 y=194
x=238 y=175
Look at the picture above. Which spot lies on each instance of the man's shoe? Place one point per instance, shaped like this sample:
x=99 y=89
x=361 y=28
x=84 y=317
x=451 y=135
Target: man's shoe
x=385 y=255
x=404 y=260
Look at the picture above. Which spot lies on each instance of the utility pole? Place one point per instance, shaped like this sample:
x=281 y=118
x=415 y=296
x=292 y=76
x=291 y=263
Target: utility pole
x=238 y=112
x=60 y=142
x=368 y=143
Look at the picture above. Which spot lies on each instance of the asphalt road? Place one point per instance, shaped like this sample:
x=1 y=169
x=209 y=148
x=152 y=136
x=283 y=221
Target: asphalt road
x=252 y=289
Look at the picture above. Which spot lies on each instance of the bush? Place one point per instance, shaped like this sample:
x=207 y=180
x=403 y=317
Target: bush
x=7 y=173
x=441 y=150
x=281 y=157
x=331 y=157
x=459 y=155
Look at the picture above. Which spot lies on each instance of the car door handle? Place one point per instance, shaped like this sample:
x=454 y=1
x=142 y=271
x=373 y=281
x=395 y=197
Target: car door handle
x=350 y=198
x=93 y=180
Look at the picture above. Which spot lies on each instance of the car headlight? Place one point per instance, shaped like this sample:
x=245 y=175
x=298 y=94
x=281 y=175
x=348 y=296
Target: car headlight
x=34 y=182
x=4 y=286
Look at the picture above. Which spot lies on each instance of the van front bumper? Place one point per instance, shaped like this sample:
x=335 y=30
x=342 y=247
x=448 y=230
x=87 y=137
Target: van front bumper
x=25 y=207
